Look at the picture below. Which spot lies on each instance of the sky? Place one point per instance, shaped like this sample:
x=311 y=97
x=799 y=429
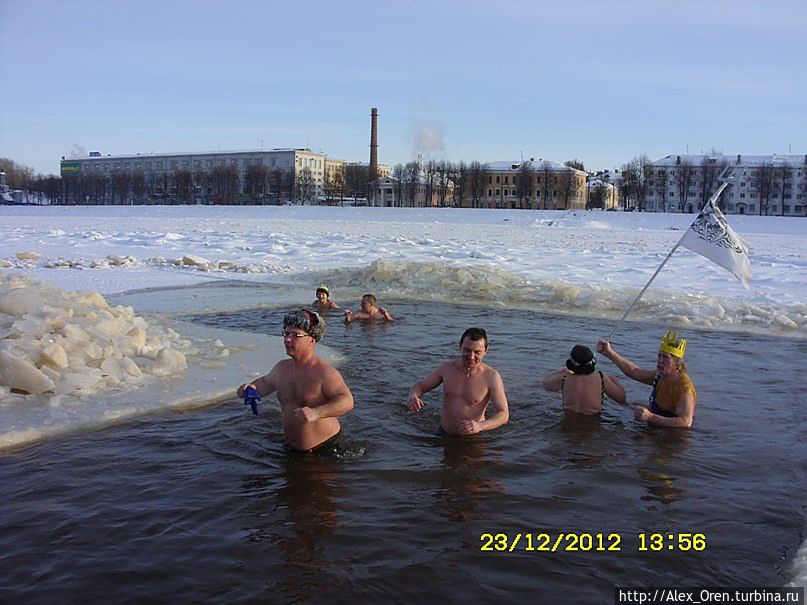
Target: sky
x=598 y=81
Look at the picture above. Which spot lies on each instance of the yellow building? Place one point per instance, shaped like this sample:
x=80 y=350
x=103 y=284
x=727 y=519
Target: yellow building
x=534 y=185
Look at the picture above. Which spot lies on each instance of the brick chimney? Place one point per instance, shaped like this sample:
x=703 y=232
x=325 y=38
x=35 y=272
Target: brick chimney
x=373 y=144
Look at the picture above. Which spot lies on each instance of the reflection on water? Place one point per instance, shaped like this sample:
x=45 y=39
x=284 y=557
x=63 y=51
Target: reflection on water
x=207 y=504
x=467 y=479
x=658 y=474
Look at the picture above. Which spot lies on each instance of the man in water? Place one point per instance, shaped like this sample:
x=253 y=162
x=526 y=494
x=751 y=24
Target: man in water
x=312 y=393
x=368 y=310
x=468 y=387
x=582 y=390
x=323 y=299
x=672 y=400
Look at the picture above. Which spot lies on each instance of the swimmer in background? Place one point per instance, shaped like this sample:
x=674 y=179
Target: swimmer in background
x=468 y=387
x=672 y=400
x=323 y=299
x=368 y=310
x=581 y=389
x=311 y=392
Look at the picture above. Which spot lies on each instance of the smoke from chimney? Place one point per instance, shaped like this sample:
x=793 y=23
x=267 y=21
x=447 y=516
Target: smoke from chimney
x=428 y=139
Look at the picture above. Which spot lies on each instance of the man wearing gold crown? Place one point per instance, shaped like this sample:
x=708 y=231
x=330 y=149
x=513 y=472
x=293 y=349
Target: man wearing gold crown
x=672 y=401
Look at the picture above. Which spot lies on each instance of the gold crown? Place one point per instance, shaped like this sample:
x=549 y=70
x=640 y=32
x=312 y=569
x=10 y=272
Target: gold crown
x=325 y=288
x=670 y=343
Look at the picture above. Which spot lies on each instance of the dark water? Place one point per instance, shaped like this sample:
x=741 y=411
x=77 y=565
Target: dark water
x=206 y=507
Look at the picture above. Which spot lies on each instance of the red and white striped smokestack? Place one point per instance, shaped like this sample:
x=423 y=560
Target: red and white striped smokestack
x=373 y=144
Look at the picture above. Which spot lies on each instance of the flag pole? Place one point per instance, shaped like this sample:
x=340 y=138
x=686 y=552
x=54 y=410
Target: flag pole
x=664 y=262
x=646 y=286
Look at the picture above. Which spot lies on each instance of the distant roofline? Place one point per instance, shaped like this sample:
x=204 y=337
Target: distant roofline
x=731 y=159
x=515 y=166
x=190 y=153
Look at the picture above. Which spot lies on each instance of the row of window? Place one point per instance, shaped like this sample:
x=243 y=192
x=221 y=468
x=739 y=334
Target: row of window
x=514 y=193
x=507 y=179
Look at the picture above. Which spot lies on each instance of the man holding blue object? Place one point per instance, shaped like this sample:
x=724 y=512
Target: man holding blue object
x=312 y=393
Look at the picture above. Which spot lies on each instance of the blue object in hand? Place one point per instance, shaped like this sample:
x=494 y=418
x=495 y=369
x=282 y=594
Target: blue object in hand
x=251 y=398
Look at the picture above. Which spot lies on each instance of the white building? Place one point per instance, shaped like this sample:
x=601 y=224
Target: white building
x=762 y=184
x=287 y=174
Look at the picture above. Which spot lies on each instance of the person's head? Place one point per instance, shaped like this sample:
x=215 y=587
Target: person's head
x=473 y=347
x=368 y=302
x=671 y=353
x=323 y=293
x=302 y=328
x=581 y=360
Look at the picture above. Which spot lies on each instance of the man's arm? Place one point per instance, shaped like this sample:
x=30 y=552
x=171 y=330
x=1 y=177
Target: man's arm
x=498 y=399
x=338 y=399
x=684 y=409
x=554 y=381
x=432 y=381
x=628 y=368
x=386 y=314
x=265 y=385
x=501 y=411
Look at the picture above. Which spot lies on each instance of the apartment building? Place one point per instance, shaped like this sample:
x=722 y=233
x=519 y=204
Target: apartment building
x=530 y=184
x=773 y=185
x=275 y=175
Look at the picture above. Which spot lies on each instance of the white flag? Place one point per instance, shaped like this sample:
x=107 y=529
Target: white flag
x=711 y=236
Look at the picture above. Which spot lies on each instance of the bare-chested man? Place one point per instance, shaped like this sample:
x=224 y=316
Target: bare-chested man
x=312 y=393
x=468 y=387
x=368 y=310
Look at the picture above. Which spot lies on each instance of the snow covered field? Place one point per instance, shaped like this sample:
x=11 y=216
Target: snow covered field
x=580 y=262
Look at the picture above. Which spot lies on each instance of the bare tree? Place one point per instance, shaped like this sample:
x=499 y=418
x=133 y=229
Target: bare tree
x=784 y=175
x=575 y=163
x=524 y=183
x=684 y=180
x=225 y=182
x=764 y=185
x=304 y=187
x=443 y=183
x=711 y=169
x=636 y=175
x=478 y=175
x=120 y=191
x=412 y=181
x=138 y=186
x=201 y=184
x=459 y=175
x=357 y=180
x=183 y=185
x=334 y=184
x=566 y=181
x=255 y=182
x=399 y=176
x=544 y=172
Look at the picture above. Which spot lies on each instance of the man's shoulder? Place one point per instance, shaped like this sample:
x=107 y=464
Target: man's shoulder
x=321 y=365
x=490 y=370
x=448 y=366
